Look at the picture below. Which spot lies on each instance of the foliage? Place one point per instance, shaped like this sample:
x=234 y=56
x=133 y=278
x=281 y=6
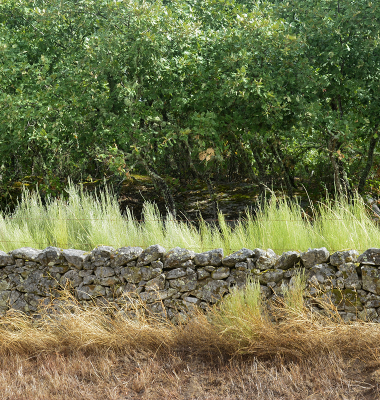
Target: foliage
x=233 y=89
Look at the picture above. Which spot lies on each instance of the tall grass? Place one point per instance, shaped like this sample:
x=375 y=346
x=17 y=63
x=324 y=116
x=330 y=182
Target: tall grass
x=86 y=220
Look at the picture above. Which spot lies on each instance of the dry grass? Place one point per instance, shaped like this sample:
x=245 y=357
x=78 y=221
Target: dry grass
x=240 y=350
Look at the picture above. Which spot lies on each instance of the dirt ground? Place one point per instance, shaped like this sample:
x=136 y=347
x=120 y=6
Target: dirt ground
x=144 y=376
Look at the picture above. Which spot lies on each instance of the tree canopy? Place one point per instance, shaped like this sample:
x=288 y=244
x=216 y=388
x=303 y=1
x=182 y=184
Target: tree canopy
x=213 y=89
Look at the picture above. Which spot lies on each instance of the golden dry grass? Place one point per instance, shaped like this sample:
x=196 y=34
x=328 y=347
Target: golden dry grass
x=232 y=352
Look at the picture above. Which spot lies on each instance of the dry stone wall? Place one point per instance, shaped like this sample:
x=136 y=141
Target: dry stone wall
x=173 y=282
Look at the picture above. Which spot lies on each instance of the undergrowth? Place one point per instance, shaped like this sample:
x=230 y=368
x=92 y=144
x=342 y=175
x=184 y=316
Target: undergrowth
x=84 y=221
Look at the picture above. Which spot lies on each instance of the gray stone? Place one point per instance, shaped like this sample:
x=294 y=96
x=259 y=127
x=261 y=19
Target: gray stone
x=90 y=291
x=370 y=257
x=101 y=252
x=265 y=259
x=211 y=257
x=185 y=283
x=176 y=257
x=152 y=253
x=155 y=284
x=50 y=256
x=71 y=278
x=237 y=278
x=287 y=260
x=202 y=273
x=271 y=275
x=104 y=272
x=213 y=291
x=315 y=256
x=343 y=257
x=132 y=274
x=108 y=281
x=75 y=257
x=125 y=255
x=349 y=276
x=241 y=266
x=322 y=274
x=6 y=259
x=159 y=295
x=238 y=256
x=26 y=253
x=176 y=273
x=220 y=273
x=371 y=279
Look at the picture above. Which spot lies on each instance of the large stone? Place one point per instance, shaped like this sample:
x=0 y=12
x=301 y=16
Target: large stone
x=220 y=273
x=50 y=256
x=343 y=257
x=71 y=278
x=176 y=257
x=265 y=259
x=6 y=259
x=349 y=275
x=371 y=279
x=157 y=283
x=370 y=257
x=75 y=257
x=176 y=273
x=185 y=283
x=125 y=255
x=238 y=256
x=159 y=295
x=132 y=274
x=211 y=257
x=90 y=291
x=26 y=253
x=104 y=272
x=271 y=275
x=322 y=276
x=315 y=256
x=213 y=291
x=152 y=253
x=287 y=260
x=36 y=282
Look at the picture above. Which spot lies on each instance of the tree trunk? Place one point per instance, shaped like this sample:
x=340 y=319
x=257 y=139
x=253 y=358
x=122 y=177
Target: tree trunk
x=204 y=177
x=161 y=186
x=332 y=144
x=285 y=171
x=371 y=150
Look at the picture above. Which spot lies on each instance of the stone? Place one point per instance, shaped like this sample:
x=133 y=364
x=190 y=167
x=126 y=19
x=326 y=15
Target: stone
x=176 y=273
x=176 y=257
x=322 y=274
x=350 y=276
x=152 y=253
x=26 y=253
x=185 y=283
x=343 y=257
x=71 y=278
x=101 y=252
x=371 y=279
x=131 y=274
x=202 y=273
x=238 y=256
x=6 y=259
x=241 y=266
x=125 y=255
x=213 y=291
x=315 y=256
x=155 y=284
x=157 y=295
x=104 y=272
x=108 y=281
x=237 y=278
x=265 y=259
x=75 y=257
x=370 y=257
x=271 y=275
x=220 y=273
x=211 y=257
x=50 y=256
x=288 y=260
x=90 y=291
